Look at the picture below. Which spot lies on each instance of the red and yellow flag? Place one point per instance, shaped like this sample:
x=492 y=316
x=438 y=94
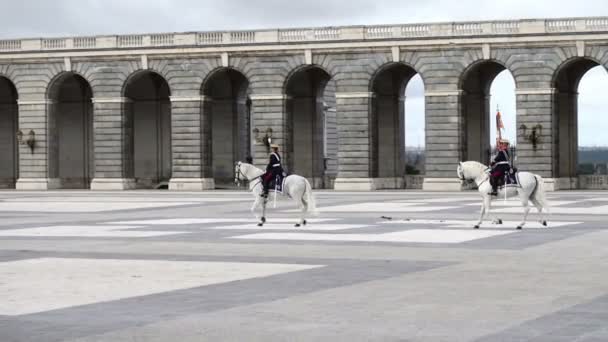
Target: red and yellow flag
x=499 y=126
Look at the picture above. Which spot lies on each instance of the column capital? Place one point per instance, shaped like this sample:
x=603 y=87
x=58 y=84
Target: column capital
x=535 y=91
x=111 y=100
x=35 y=102
x=195 y=98
x=354 y=95
x=443 y=93
x=262 y=97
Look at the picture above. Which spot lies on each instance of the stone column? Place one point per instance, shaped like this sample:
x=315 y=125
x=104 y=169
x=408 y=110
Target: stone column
x=445 y=140
x=191 y=144
x=34 y=167
x=113 y=141
x=535 y=106
x=355 y=142
x=268 y=111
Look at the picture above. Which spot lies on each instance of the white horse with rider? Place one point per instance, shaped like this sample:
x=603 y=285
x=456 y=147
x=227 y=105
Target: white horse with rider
x=529 y=189
x=295 y=187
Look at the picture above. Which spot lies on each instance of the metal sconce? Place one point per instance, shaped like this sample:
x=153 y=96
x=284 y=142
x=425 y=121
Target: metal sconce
x=266 y=139
x=533 y=136
x=29 y=140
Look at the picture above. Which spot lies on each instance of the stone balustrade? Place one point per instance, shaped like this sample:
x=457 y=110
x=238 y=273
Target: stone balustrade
x=278 y=36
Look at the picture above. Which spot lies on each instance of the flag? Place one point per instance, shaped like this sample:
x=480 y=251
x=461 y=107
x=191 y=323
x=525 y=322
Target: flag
x=499 y=124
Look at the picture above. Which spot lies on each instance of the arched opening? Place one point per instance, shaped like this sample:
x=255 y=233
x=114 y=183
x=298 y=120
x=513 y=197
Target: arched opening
x=150 y=113
x=484 y=85
x=415 y=136
x=70 y=132
x=226 y=111
x=387 y=125
x=581 y=144
x=9 y=149
x=308 y=100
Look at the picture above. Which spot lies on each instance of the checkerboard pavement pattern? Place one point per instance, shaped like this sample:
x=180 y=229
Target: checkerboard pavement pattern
x=152 y=266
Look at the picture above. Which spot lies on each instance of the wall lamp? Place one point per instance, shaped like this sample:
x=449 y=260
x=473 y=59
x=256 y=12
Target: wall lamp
x=266 y=140
x=532 y=135
x=29 y=140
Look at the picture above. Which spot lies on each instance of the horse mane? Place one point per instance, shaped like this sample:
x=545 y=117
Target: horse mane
x=471 y=164
x=251 y=167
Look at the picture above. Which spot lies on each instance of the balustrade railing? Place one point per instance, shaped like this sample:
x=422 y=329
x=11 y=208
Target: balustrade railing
x=379 y=32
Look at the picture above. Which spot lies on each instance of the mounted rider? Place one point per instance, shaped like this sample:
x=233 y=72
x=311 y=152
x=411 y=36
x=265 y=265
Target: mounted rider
x=273 y=169
x=500 y=164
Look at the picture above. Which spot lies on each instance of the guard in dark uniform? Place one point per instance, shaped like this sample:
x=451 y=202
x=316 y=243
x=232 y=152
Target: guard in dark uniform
x=273 y=169
x=500 y=165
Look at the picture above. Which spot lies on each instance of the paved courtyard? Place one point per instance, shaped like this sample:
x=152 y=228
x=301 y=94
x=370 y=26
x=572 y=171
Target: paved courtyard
x=381 y=266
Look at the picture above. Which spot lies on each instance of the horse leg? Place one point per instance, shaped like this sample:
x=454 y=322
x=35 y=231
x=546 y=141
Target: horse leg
x=302 y=208
x=263 y=220
x=495 y=220
x=539 y=207
x=255 y=206
x=524 y=203
x=484 y=205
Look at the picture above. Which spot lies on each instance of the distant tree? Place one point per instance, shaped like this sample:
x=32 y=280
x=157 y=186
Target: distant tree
x=586 y=169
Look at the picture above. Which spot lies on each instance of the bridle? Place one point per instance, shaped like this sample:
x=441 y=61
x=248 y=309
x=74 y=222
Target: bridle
x=238 y=174
x=464 y=180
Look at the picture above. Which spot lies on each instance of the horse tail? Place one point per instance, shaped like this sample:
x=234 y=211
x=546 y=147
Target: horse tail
x=539 y=194
x=309 y=199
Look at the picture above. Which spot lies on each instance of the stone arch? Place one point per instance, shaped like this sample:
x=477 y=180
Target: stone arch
x=227 y=120
x=70 y=131
x=148 y=113
x=306 y=112
x=474 y=87
x=387 y=123
x=9 y=122
x=565 y=82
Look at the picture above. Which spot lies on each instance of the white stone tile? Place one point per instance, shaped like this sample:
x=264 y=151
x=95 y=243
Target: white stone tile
x=384 y=207
x=182 y=221
x=86 y=231
x=97 y=206
x=597 y=210
x=290 y=226
x=411 y=236
x=38 y=285
x=513 y=202
x=532 y=223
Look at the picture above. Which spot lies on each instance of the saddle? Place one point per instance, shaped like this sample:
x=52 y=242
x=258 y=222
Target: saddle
x=511 y=178
x=277 y=183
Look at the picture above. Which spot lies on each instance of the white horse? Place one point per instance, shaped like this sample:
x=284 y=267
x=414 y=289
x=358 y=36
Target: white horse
x=295 y=187
x=530 y=189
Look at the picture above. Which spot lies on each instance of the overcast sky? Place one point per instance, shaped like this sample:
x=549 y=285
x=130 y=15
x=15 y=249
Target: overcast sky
x=35 y=18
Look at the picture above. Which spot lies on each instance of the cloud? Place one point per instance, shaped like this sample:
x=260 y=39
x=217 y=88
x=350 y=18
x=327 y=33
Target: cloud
x=36 y=18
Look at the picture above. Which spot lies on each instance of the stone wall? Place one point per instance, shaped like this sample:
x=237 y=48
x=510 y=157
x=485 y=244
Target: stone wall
x=193 y=142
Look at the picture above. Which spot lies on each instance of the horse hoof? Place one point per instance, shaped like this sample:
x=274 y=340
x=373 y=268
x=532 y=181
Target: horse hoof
x=519 y=227
x=499 y=221
x=476 y=227
x=304 y=222
x=297 y=225
x=545 y=223
x=260 y=224
x=263 y=220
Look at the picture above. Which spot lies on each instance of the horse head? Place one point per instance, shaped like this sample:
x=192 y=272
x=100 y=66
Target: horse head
x=238 y=174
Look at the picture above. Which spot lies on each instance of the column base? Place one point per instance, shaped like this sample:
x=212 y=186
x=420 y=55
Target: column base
x=441 y=184
x=38 y=184
x=191 y=184
x=7 y=183
x=112 y=184
x=354 y=184
x=562 y=183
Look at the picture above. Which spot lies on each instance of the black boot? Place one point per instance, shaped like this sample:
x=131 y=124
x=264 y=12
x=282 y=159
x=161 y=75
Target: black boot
x=494 y=185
